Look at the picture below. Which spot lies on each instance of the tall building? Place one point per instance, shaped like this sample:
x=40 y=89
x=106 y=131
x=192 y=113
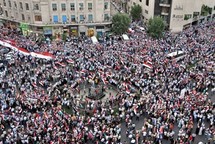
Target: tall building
x=178 y=14
x=55 y=17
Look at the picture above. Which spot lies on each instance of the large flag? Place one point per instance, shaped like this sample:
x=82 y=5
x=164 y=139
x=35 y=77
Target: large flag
x=61 y=64
x=44 y=55
x=23 y=51
x=148 y=65
x=70 y=61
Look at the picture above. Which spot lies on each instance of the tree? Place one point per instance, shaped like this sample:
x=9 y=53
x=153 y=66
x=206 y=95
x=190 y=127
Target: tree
x=156 y=27
x=205 y=10
x=120 y=23
x=136 y=12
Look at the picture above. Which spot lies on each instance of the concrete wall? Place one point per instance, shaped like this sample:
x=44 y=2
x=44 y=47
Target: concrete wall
x=45 y=10
x=182 y=7
x=147 y=11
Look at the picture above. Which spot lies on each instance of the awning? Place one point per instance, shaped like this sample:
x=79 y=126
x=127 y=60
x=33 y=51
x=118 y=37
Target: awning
x=47 y=30
x=94 y=39
x=125 y=37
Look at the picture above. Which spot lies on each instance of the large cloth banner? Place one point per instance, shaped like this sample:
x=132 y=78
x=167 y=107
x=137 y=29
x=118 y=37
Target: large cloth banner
x=42 y=55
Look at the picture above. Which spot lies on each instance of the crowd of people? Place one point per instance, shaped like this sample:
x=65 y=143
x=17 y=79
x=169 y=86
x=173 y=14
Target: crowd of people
x=169 y=93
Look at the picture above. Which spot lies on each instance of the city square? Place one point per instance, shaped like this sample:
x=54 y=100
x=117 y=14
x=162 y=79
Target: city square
x=135 y=87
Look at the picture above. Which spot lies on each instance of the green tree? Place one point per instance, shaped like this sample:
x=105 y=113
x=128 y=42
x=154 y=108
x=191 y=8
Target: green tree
x=136 y=12
x=64 y=36
x=156 y=27
x=205 y=10
x=120 y=23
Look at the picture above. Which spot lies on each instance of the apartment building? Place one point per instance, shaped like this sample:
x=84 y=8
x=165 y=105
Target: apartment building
x=55 y=17
x=178 y=14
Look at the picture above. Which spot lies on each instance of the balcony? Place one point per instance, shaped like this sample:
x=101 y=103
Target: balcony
x=165 y=13
x=164 y=3
x=39 y=23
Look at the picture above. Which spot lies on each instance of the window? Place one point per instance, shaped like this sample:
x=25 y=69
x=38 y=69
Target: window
x=38 y=18
x=72 y=6
x=55 y=18
x=63 y=7
x=147 y=2
x=72 y=18
x=6 y=13
x=20 y=5
x=36 y=6
x=9 y=2
x=106 y=17
x=54 y=7
x=187 y=16
x=81 y=6
x=195 y=14
x=90 y=17
x=146 y=12
x=64 y=18
x=23 y=17
x=4 y=3
x=90 y=6
x=15 y=5
x=26 y=6
x=29 y=18
x=17 y=15
x=106 y=5
x=81 y=17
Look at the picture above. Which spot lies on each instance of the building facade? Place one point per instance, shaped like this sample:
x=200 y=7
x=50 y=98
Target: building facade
x=178 y=14
x=55 y=17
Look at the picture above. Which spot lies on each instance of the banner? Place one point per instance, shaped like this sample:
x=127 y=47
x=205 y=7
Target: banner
x=43 y=55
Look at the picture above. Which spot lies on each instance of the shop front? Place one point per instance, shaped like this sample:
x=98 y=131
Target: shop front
x=90 y=31
x=25 y=29
x=47 y=31
x=57 y=32
x=82 y=30
x=66 y=30
x=73 y=31
x=100 y=31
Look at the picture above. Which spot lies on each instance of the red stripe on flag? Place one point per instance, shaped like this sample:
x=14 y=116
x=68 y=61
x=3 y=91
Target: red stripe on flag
x=70 y=61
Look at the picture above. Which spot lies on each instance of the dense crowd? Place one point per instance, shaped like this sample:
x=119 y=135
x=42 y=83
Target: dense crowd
x=168 y=93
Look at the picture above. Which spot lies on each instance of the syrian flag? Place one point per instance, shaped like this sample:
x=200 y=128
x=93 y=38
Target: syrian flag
x=149 y=60
x=70 y=61
x=91 y=76
x=89 y=121
x=83 y=71
x=23 y=51
x=12 y=42
x=34 y=84
x=127 y=90
x=55 y=67
x=44 y=55
x=130 y=30
x=41 y=83
x=104 y=80
x=61 y=64
x=108 y=74
x=100 y=71
x=148 y=65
